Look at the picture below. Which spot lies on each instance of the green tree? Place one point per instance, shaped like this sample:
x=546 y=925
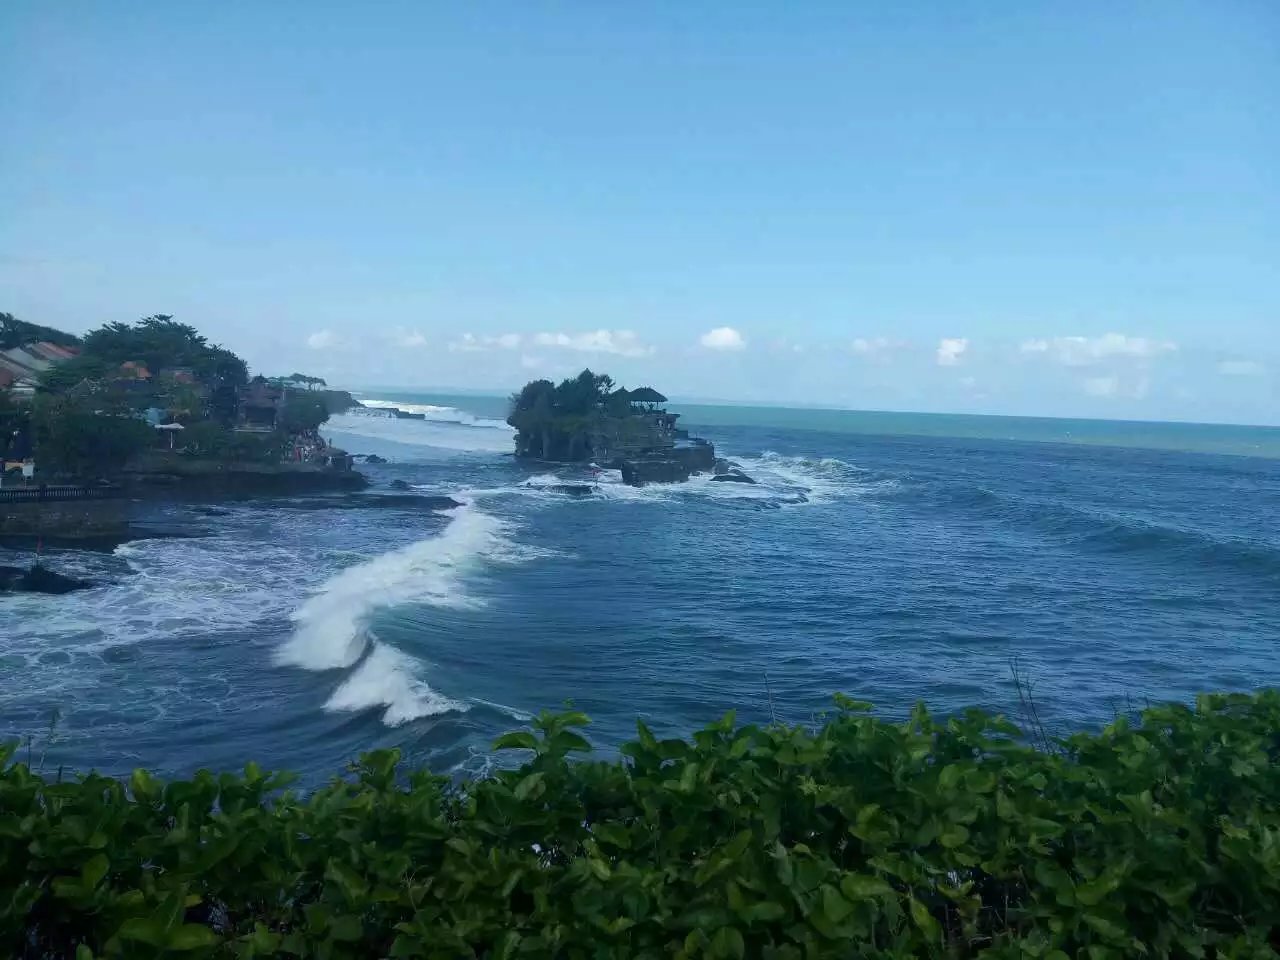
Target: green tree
x=74 y=439
x=17 y=333
x=302 y=412
x=160 y=342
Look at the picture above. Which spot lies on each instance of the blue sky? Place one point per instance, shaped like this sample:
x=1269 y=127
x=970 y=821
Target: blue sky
x=1038 y=208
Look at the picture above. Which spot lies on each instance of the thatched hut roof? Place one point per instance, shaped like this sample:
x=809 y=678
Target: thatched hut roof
x=645 y=395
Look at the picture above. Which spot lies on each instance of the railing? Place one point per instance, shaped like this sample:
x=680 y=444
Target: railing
x=54 y=493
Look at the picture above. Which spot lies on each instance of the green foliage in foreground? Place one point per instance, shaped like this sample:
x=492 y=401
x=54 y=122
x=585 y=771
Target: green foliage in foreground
x=860 y=839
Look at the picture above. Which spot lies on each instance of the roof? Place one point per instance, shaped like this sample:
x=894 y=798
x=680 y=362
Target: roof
x=134 y=369
x=15 y=368
x=20 y=356
x=50 y=351
x=645 y=395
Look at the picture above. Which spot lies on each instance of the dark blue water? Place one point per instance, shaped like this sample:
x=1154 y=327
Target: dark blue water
x=891 y=568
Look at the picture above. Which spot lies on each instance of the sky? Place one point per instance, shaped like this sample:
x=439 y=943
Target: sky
x=1036 y=208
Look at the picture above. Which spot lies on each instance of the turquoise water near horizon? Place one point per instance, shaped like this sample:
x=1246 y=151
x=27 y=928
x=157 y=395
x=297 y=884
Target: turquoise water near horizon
x=1218 y=438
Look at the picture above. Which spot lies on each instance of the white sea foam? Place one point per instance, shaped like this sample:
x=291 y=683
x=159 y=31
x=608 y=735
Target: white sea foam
x=440 y=414
x=442 y=434
x=330 y=627
x=390 y=678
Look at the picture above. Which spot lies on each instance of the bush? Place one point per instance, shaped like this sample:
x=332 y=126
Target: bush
x=860 y=839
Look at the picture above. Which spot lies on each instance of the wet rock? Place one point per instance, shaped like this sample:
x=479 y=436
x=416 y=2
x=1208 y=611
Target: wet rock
x=364 y=501
x=658 y=469
x=572 y=489
x=399 y=485
x=374 y=458
x=38 y=579
x=735 y=477
x=211 y=511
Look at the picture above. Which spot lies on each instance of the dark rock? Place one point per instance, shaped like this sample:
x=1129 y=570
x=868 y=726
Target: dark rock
x=337 y=401
x=364 y=501
x=399 y=485
x=736 y=477
x=38 y=579
x=727 y=466
x=211 y=511
x=698 y=456
x=643 y=470
x=572 y=489
x=374 y=458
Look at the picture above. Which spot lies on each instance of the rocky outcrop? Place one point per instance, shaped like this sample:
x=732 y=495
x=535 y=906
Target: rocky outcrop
x=659 y=469
x=374 y=458
x=698 y=455
x=572 y=489
x=366 y=501
x=84 y=519
x=38 y=579
x=337 y=401
x=178 y=475
x=736 y=476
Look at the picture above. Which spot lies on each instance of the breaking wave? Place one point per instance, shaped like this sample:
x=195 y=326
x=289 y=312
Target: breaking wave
x=439 y=414
x=332 y=628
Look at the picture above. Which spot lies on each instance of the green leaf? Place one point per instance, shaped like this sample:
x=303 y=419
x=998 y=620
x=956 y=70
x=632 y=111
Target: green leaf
x=346 y=928
x=767 y=912
x=834 y=907
x=83 y=953
x=566 y=741
x=94 y=869
x=860 y=886
x=924 y=919
x=728 y=943
x=192 y=936
x=528 y=784
x=143 y=930
x=1102 y=925
x=348 y=880
x=516 y=740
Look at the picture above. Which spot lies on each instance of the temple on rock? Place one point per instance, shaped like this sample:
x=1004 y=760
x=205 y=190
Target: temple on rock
x=585 y=419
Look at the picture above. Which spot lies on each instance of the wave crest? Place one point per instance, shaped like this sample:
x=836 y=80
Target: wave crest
x=331 y=629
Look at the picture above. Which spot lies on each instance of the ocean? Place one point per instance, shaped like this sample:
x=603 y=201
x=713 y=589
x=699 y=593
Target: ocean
x=892 y=557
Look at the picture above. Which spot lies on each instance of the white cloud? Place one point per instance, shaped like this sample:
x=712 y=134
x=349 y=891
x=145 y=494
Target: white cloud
x=968 y=382
x=783 y=345
x=950 y=350
x=1102 y=386
x=1241 y=368
x=410 y=339
x=321 y=340
x=874 y=346
x=722 y=338
x=470 y=343
x=1085 y=351
x=623 y=343
x=530 y=362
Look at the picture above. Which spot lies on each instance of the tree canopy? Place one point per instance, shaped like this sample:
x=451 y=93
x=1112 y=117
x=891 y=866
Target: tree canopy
x=17 y=333
x=158 y=343
x=574 y=397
